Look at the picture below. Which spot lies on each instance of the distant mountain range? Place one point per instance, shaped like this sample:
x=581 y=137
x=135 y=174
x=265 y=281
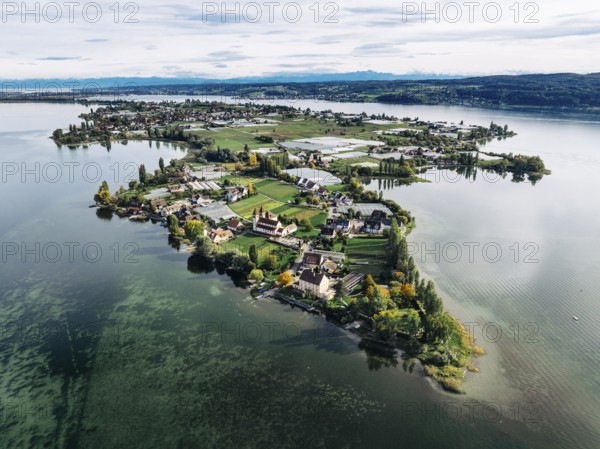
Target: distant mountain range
x=276 y=78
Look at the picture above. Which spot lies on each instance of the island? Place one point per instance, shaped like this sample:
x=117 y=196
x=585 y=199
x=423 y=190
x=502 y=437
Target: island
x=273 y=196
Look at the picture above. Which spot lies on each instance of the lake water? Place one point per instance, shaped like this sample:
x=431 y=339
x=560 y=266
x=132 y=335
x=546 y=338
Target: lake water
x=111 y=338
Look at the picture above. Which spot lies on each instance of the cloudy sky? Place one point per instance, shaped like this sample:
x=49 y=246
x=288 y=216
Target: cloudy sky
x=194 y=38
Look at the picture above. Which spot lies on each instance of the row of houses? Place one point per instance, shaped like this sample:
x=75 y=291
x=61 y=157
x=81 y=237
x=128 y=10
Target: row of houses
x=314 y=261
x=376 y=223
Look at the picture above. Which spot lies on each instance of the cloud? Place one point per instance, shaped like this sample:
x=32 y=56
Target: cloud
x=59 y=58
x=172 y=39
x=226 y=55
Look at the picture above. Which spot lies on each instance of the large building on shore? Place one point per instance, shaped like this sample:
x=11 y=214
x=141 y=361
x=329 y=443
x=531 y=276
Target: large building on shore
x=314 y=283
x=266 y=223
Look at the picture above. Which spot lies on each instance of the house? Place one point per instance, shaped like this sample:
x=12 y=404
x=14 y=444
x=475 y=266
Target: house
x=312 y=260
x=134 y=208
x=340 y=224
x=177 y=188
x=235 y=225
x=329 y=266
x=339 y=199
x=266 y=223
x=168 y=210
x=328 y=232
x=220 y=235
x=323 y=192
x=200 y=200
x=302 y=182
x=236 y=194
x=314 y=283
x=376 y=223
x=157 y=205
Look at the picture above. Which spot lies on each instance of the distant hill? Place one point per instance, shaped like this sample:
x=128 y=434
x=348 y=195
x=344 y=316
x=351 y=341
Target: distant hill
x=542 y=91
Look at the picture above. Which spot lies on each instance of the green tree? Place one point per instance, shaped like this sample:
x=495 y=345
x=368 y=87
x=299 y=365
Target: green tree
x=194 y=229
x=204 y=247
x=439 y=327
x=270 y=262
x=388 y=323
x=57 y=134
x=307 y=224
x=142 y=173
x=412 y=322
x=242 y=263
x=431 y=301
x=161 y=165
x=253 y=254
x=257 y=275
x=173 y=224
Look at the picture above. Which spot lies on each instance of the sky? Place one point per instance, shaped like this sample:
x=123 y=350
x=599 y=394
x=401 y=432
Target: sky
x=236 y=39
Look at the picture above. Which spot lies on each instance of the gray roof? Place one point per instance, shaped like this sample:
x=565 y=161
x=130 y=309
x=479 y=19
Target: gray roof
x=311 y=277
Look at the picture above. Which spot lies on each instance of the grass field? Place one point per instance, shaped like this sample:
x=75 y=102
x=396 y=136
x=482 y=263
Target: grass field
x=235 y=138
x=246 y=206
x=244 y=180
x=272 y=195
x=337 y=188
x=277 y=190
x=367 y=249
x=242 y=244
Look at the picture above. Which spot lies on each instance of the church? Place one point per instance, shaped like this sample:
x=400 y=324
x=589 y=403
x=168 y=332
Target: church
x=266 y=223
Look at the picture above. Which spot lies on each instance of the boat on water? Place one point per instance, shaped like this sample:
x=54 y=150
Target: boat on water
x=575 y=318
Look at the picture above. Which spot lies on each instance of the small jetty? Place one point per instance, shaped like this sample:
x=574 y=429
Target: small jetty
x=295 y=303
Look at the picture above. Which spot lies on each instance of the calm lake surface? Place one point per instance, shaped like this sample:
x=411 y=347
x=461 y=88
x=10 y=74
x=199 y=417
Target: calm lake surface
x=110 y=338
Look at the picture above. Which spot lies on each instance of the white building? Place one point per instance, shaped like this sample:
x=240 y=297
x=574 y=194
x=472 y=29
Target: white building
x=266 y=223
x=314 y=283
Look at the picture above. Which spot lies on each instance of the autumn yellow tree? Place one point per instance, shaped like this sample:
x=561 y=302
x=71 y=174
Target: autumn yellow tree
x=250 y=188
x=103 y=195
x=252 y=159
x=285 y=279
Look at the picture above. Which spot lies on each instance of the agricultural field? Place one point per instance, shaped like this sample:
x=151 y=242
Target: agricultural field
x=272 y=195
x=245 y=207
x=288 y=129
x=277 y=190
x=242 y=180
x=367 y=249
x=235 y=138
x=292 y=211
